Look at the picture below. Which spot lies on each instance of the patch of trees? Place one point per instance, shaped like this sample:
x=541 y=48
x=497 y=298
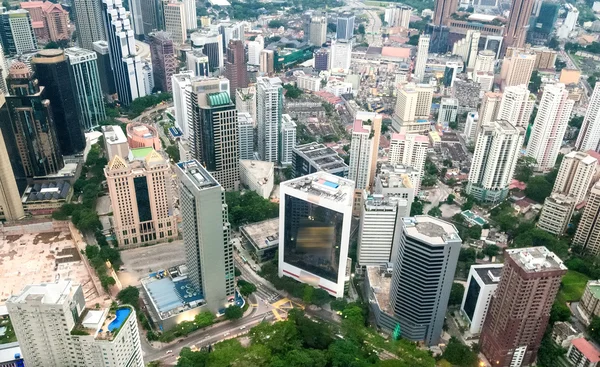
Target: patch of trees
x=307 y=293
x=249 y=207
x=292 y=91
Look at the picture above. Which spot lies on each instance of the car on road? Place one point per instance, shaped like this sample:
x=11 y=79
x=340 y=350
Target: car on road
x=169 y=352
x=242 y=328
x=226 y=334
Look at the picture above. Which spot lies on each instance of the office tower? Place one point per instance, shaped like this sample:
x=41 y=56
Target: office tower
x=269 y=102
x=450 y=71
x=409 y=150
x=254 y=49
x=485 y=61
x=318 y=30
x=589 y=135
x=16 y=32
x=55 y=328
x=341 y=56
x=421 y=59
x=287 y=139
x=345 y=26
x=361 y=155
x=494 y=160
x=321 y=59
x=181 y=86
x=147 y=77
x=191 y=20
x=135 y=9
x=52 y=71
x=467 y=48
x=517 y=68
x=398 y=16
x=549 y=126
x=516 y=105
x=31 y=127
x=471 y=124
x=198 y=62
x=518 y=23
x=213 y=138
x=175 y=22
x=164 y=60
x=126 y=66
x=448 y=111
x=246 y=135
x=413 y=107
x=3 y=71
x=235 y=66
x=83 y=69
x=556 y=213
x=422 y=278
x=211 y=44
x=314 y=234
x=520 y=308
x=588 y=231
x=208 y=247
x=231 y=31
x=50 y=21
x=442 y=11
x=376 y=127
x=267 y=62
x=107 y=82
x=313 y=157
x=88 y=21
x=141 y=197
x=115 y=141
x=575 y=175
x=245 y=101
x=481 y=286
x=570 y=22
x=11 y=208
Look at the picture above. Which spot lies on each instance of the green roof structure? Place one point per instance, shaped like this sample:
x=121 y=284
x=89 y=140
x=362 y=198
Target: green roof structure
x=139 y=153
x=219 y=99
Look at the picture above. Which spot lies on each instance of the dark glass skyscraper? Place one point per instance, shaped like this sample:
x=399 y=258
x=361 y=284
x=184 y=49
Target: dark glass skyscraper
x=235 y=66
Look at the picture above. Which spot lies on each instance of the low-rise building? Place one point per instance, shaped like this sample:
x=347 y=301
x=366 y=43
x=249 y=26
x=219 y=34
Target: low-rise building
x=313 y=157
x=563 y=333
x=589 y=306
x=582 y=353
x=262 y=238
x=115 y=141
x=257 y=176
x=46 y=198
x=481 y=285
x=142 y=136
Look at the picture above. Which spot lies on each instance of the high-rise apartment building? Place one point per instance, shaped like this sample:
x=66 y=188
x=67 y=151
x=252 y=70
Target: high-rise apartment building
x=213 y=137
x=340 y=56
x=175 y=22
x=153 y=15
x=52 y=70
x=181 y=84
x=589 y=135
x=164 y=60
x=569 y=23
x=361 y=155
x=413 y=107
x=269 y=102
x=556 y=213
x=588 y=230
x=16 y=32
x=470 y=131
x=208 y=246
x=246 y=135
x=245 y=101
x=422 y=55
x=191 y=19
x=267 y=62
x=345 y=26
x=468 y=48
x=287 y=139
x=423 y=273
x=489 y=109
x=443 y=10
x=485 y=61
x=11 y=207
x=254 y=49
x=549 y=126
x=494 y=160
x=126 y=65
x=314 y=234
x=516 y=105
x=575 y=175
x=236 y=66
x=517 y=68
x=88 y=90
x=231 y=31
x=30 y=129
x=321 y=59
x=398 y=16
x=318 y=30
x=409 y=150
x=481 y=286
x=518 y=23
x=88 y=20
x=520 y=309
x=141 y=197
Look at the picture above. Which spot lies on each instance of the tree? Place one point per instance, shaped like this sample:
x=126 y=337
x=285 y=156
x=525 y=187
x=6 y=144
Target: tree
x=459 y=354
x=413 y=40
x=51 y=44
x=456 y=294
x=187 y=358
x=535 y=82
x=416 y=208
x=450 y=199
x=129 y=296
x=453 y=124
x=468 y=205
x=429 y=181
x=576 y=121
x=594 y=329
x=553 y=43
x=234 y=312
x=276 y=24
x=559 y=312
x=524 y=168
x=173 y=153
x=435 y=212
x=491 y=250
x=246 y=288
x=331 y=27
x=320 y=297
x=308 y=293
x=361 y=29
x=538 y=189
x=204 y=319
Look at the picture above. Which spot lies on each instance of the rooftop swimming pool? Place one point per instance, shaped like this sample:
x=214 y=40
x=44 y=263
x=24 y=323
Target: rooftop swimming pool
x=122 y=314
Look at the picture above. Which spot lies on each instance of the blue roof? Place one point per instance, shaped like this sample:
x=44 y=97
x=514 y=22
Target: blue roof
x=187 y=292
x=175 y=132
x=164 y=295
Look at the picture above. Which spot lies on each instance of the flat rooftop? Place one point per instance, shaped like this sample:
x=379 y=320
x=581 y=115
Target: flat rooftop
x=260 y=169
x=197 y=174
x=489 y=274
x=8 y=352
x=46 y=293
x=113 y=134
x=381 y=202
x=323 y=185
x=380 y=283
x=594 y=287
x=432 y=230
x=263 y=234
x=171 y=296
x=536 y=259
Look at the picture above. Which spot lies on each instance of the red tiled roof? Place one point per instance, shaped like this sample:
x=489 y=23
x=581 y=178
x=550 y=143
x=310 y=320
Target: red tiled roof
x=587 y=349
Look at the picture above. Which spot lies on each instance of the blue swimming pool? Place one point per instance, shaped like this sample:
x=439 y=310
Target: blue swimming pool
x=122 y=314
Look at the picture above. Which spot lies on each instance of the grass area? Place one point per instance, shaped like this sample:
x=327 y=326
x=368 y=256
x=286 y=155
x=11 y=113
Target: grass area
x=572 y=286
x=405 y=350
x=9 y=336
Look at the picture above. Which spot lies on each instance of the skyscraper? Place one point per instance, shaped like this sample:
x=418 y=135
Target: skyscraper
x=245 y=101
x=254 y=49
x=52 y=71
x=516 y=105
x=345 y=26
x=422 y=54
x=481 y=285
x=314 y=234
x=208 y=247
x=246 y=135
x=126 y=65
x=575 y=175
x=518 y=23
x=88 y=90
x=361 y=155
x=107 y=81
x=235 y=66
x=494 y=160
x=211 y=44
x=589 y=135
x=442 y=11
x=267 y=62
x=3 y=71
x=269 y=102
x=467 y=48
x=55 y=328
x=11 y=207
x=88 y=20
x=213 y=138
x=413 y=107
x=31 y=126
x=164 y=60
x=175 y=22
x=517 y=68
x=550 y=125
x=409 y=150
x=398 y=15
x=135 y=8
x=50 y=21
x=488 y=110
x=556 y=213
x=16 y=32
x=520 y=308
x=287 y=139
x=181 y=86
x=588 y=231
x=318 y=30
x=340 y=56
x=570 y=22
x=191 y=19
x=423 y=273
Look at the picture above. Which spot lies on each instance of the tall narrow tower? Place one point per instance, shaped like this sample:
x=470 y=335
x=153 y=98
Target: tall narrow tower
x=269 y=92
x=588 y=231
x=518 y=24
x=589 y=135
x=235 y=66
x=422 y=54
x=88 y=19
x=11 y=207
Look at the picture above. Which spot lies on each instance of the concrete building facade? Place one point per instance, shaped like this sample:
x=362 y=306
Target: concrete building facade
x=481 y=285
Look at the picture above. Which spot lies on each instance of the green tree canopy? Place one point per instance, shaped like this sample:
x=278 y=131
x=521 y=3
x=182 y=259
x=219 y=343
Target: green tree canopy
x=234 y=312
x=456 y=294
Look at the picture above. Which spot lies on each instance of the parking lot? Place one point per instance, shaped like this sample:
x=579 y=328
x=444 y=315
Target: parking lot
x=139 y=262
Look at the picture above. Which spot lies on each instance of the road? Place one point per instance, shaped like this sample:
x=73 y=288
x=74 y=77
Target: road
x=373 y=30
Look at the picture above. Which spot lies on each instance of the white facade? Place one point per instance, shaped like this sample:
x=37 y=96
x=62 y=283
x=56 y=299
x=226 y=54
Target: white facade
x=44 y=315
x=516 y=105
x=409 y=150
x=191 y=20
x=468 y=48
x=471 y=123
x=3 y=72
x=550 y=125
x=148 y=76
x=309 y=82
x=338 y=88
x=340 y=56
x=361 y=150
x=556 y=213
x=475 y=305
x=318 y=30
x=448 y=111
x=245 y=101
x=485 y=61
x=570 y=22
x=181 y=85
x=135 y=8
x=413 y=107
x=332 y=212
x=575 y=175
x=257 y=176
x=246 y=137
x=288 y=139
x=198 y=62
x=398 y=16
x=422 y=55
x=254 y=49
x=210 y=42
x=175 y=22
x=589 y=135
x=269 y=92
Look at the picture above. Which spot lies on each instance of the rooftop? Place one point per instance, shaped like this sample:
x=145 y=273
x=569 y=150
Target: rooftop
x=381 y=202
x=323 y=157
x=323 y=185
x=114 y=134
x=535 y=259
x=219 y=99
x=8 y=352
x=380 y=281
x=263 y=234
x=588 y=349
x=262 y=171
x=46 y=293
x=431 y=230
x=197 y=174
x=489 y=273
x=594 y=287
